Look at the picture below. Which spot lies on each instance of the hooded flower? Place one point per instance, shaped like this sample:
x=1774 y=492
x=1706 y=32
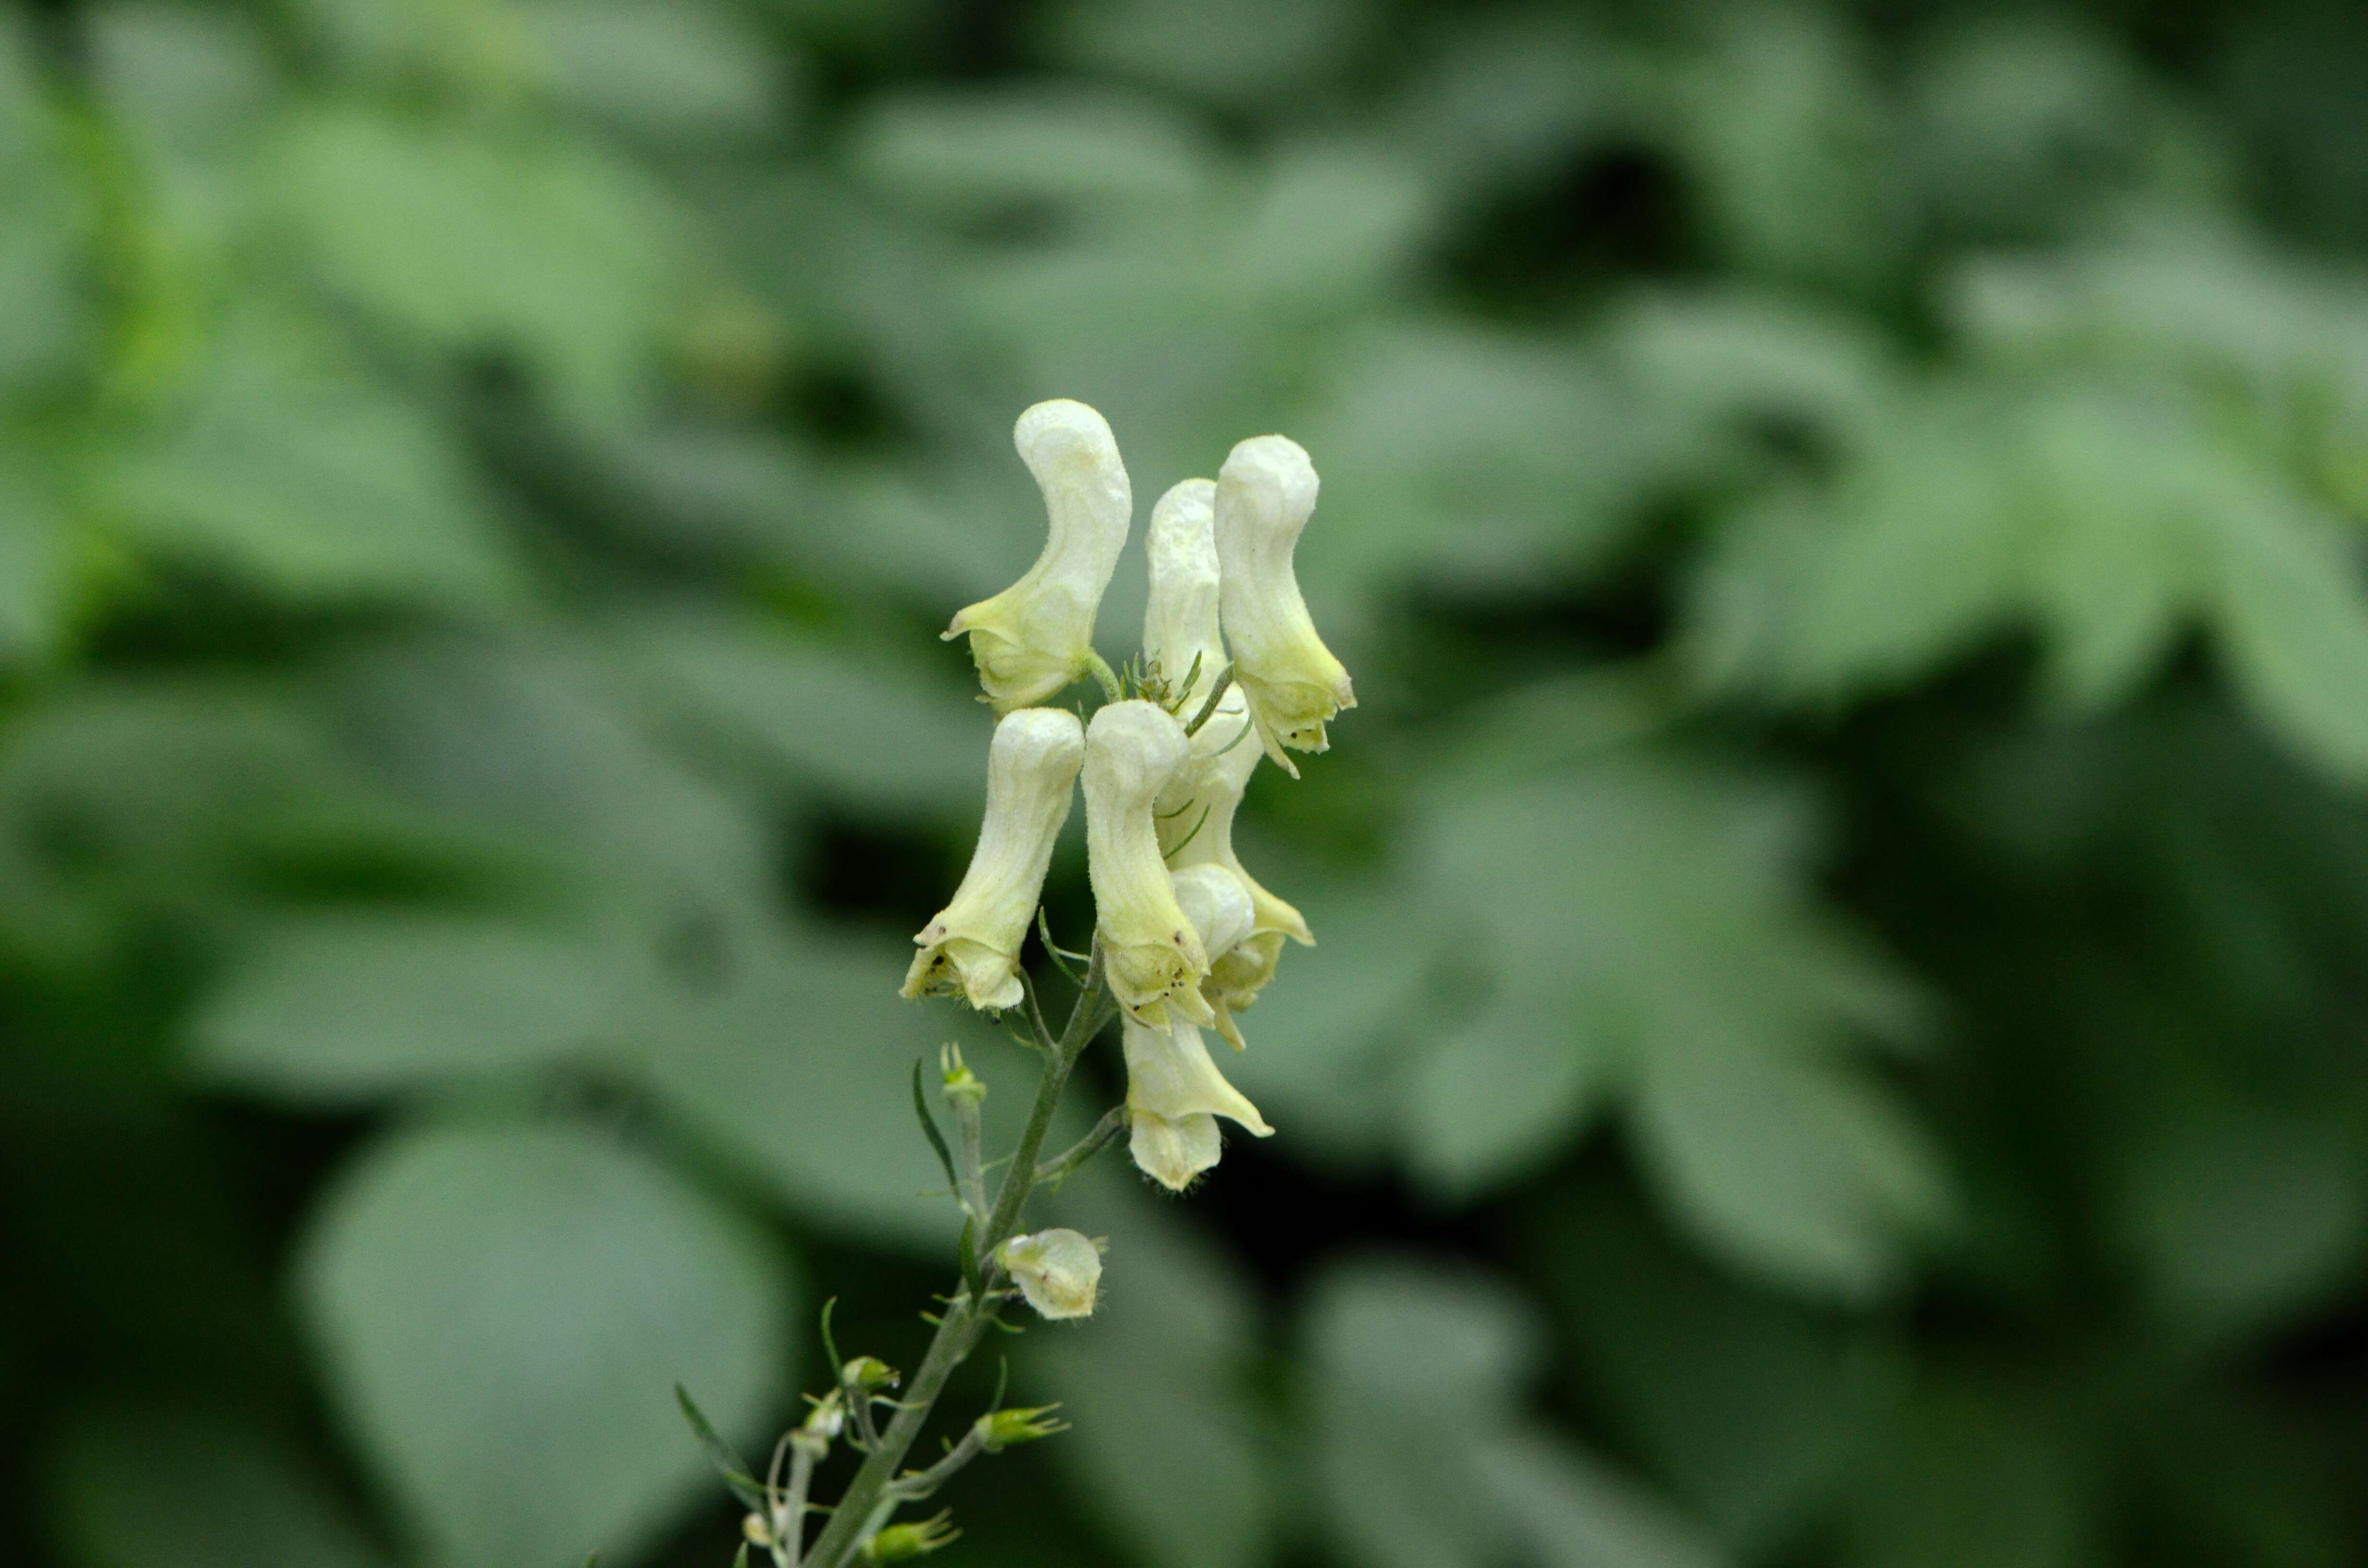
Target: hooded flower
x=1058 y=1271
x=1174 y=1096
x=1195 y=813
x=1036 y=636
x=1265 y=494
x=1179 y=618
x=973 y=946
x=1154 y=957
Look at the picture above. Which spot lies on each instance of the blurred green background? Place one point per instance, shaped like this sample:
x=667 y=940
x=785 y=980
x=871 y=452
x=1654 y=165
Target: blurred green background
x=1837 y=1038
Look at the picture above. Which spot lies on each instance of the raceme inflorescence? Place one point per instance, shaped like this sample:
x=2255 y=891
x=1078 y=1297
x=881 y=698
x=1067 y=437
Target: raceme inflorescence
x=1231 y=672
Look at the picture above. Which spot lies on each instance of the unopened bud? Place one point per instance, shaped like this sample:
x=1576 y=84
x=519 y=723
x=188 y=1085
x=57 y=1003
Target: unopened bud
x=758 y=1532
x=866 y=1373
x=1001 y=1429
x=958 y=1081
x=901 y=1543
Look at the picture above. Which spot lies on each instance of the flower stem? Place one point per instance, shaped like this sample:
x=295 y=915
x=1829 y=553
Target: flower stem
x=966 y=1319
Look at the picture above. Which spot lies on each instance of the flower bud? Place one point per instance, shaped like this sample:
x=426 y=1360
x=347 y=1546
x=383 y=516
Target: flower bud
x=962 y=1085
x=973 y=946
x=1154 y=958
x=1265 y=494
x=1174 y=1094
x=1179 y=619
x=1037 y=636
x=1058 y=1271
x=1001 y=1429
x=901 y=1543
x=866 y=1373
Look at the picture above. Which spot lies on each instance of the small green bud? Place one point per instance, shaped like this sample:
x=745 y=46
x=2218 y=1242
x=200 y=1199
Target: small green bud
x=826 y=1420
x=758 y=1532
x=901 y=1543
x=1000 y=1430
x=960 y=1084
x=866 y=1373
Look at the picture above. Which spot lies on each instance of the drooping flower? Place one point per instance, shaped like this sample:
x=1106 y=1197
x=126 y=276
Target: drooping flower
x=1154 y=958
x=973 y=946
x=1265 y=494
x=1195 y=812
x=1179 y=618
x=1036 y=636
x=1058 y=1271
x=1174 y=1096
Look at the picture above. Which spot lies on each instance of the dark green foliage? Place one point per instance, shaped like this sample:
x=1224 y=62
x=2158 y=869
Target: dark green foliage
x=1844 y=903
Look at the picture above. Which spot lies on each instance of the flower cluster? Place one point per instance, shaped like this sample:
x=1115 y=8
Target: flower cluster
x=1231 y=672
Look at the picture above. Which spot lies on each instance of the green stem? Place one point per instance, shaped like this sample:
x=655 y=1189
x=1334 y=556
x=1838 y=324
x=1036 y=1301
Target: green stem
x=966 y=1319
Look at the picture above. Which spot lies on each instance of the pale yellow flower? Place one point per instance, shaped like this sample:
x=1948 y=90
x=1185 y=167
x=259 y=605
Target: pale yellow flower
x=1036 y=636
x=973 y=946
x=1058 y=1271
x=1154 y=958
x=1195 y=813
x=1174 y=1096
x=1179 y=618
x=1265 y=494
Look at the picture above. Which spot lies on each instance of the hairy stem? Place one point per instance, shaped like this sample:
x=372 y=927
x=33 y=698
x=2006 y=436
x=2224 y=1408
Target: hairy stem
x=861 y=1510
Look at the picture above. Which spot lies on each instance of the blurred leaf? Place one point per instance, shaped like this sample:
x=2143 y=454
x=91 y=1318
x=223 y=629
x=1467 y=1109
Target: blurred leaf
x=1166 y=1448
x=1572 y=1512
x=503 y=1311
x=1420 y=1452
x=1329 y=1039
x=33 y=565
x=1493 y=1100
x=663 y=67
x=1789 y=141
x=1470 y=457
x=206 y=1490
x=1233 y=53
x=867 y=732
x=2293 y=603
x=46 y=314
x=795 y=1066
x=527 y=737
x=2242 y=1217
x=1652 y=922
x=471 y=241
x=975 y=153
x=1752 y=1407
x=1792 y=1169
x=343 y=1008
x=289 y=465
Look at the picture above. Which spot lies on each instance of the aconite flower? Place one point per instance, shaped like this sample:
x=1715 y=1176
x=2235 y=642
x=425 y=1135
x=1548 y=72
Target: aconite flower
x=1179 y=618
x=1265 y=494
x=1058 y=1271
x=1174 y=1096
x=973 y=946
x=1154 y=958
x=1036 y=636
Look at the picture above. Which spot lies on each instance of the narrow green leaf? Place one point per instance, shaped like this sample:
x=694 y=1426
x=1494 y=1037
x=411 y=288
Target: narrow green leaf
x=721 y=1454
x=929 y=1126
